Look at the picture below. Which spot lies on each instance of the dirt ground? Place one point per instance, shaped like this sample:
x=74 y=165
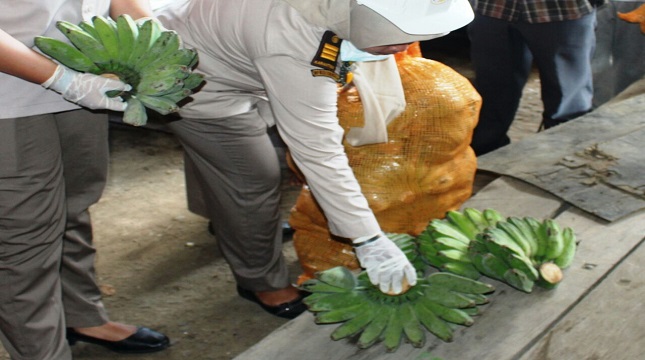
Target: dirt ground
x=158 y=265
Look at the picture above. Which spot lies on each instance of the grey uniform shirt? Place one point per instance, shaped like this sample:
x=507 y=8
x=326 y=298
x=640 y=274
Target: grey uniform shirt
x=24 y=20
x=259 y=52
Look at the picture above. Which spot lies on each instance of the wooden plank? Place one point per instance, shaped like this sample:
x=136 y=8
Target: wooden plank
x=513 y=321
x=566 y=160
x=609 y=323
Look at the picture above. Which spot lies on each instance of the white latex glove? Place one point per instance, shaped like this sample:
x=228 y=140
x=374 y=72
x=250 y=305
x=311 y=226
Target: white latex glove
x=87 y=90
x=385 y=263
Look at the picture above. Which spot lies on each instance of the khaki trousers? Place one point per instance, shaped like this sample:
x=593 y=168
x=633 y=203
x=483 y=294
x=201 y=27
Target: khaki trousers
x=233 y=178
x=52 y=168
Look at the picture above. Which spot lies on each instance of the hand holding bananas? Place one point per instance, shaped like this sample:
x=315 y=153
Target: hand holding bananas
x=142 y=54
x=86 y=89
x=385 y=264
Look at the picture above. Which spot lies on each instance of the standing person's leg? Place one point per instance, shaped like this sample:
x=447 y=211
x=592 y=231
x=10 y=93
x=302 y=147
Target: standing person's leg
x=502 y=64
x=236 y=167
x=563 y=51
x=85 y=152
x=32 y=220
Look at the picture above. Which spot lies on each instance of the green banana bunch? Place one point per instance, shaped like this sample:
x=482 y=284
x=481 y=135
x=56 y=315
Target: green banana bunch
x=523 y=252
x=145 y=56
x=444 y=243
x=436 y=303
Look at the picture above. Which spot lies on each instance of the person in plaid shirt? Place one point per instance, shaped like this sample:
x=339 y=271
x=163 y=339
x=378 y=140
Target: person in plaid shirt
x=509 y=36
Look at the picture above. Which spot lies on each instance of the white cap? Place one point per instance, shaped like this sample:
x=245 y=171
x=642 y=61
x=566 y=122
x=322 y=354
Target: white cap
x=418 y=17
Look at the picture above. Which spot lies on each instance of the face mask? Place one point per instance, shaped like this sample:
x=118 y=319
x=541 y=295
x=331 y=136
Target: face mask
x=349 y=52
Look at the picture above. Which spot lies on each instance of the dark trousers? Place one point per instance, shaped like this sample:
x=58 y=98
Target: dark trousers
x=503 y=54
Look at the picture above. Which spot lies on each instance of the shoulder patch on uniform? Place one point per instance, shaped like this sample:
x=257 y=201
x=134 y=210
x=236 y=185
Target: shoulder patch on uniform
x=328 y=52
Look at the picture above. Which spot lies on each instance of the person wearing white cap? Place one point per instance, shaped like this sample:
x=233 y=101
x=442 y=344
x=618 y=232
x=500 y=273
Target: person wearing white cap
x=277 y=62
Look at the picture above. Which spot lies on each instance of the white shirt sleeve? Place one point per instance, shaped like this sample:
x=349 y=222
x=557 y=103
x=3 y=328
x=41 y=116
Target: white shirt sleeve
x=305 y=111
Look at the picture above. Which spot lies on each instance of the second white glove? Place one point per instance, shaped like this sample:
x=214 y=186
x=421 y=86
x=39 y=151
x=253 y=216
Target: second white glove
x=385 y=263
x=87 y=89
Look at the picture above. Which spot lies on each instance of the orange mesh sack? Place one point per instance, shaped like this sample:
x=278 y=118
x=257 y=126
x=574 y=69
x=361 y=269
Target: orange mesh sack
x=426 y=168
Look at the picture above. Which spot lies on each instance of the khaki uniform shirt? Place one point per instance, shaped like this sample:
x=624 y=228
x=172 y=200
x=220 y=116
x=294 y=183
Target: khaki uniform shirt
x=259 y=53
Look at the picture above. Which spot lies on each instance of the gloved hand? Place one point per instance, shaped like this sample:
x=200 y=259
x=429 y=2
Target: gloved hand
x=87 y=90
x=385 y=263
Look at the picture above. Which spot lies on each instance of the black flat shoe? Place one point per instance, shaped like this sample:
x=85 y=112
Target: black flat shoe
x=142 y=341
x=289 y=310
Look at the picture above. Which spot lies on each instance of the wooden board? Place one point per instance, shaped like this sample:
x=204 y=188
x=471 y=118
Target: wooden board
x=513 y=322
x=609 y=323
x=595 y=162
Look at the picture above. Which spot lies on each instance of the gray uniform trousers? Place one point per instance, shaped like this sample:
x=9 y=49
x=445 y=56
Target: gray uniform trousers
x=40 y=255
x=233 y=167
x=502 y=53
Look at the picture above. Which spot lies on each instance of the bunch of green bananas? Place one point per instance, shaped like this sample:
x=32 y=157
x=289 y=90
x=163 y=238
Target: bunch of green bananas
x=444 y=243
x=521 y=252
x=436 y=303
x=524 y=251
x=143 y=55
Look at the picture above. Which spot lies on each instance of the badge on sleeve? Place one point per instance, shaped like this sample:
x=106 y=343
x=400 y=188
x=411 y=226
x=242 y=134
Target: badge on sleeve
x=326 y=58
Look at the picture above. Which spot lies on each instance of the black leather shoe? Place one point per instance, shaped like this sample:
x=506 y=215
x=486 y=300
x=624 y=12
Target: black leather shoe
x=142 y=341
x=289 y=310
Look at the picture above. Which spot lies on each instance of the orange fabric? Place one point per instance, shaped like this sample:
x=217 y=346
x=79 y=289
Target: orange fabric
x=425 y=169
x=635 y=16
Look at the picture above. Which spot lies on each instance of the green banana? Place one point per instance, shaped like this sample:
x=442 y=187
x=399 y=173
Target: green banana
x=491 y=266
x=461 y=221
x=374 y=329
x=452 y=315
x=127 y=32
x=554 y=239
x=354 y=325
x=539 y=228
x=333 y=301
x=178 y=95
x=66 y=54
x=393 y=333
x=568 y=252
x=479 y=299
x=450 y=243
x=454 y=255
x=193 y=80
x=516 y=235
x=492 y=216
x=527 y=232
x=142 y=42
x=412 y=328
x=339 y=314
x=461 y=268
x=88 y=27
x=433 y=323
x=314 y=286
x=444 y=228
x=85 y=42
x=519 y=280
x=500 y=237
x=159 y=104
x=459 y=283
x=135 y=113
x=167 y=43
x=159 y=86
x=523 y=264
x=338 y=276
x=477 y=218
x=446 y=297
x=501 y=251
x=108 y=35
